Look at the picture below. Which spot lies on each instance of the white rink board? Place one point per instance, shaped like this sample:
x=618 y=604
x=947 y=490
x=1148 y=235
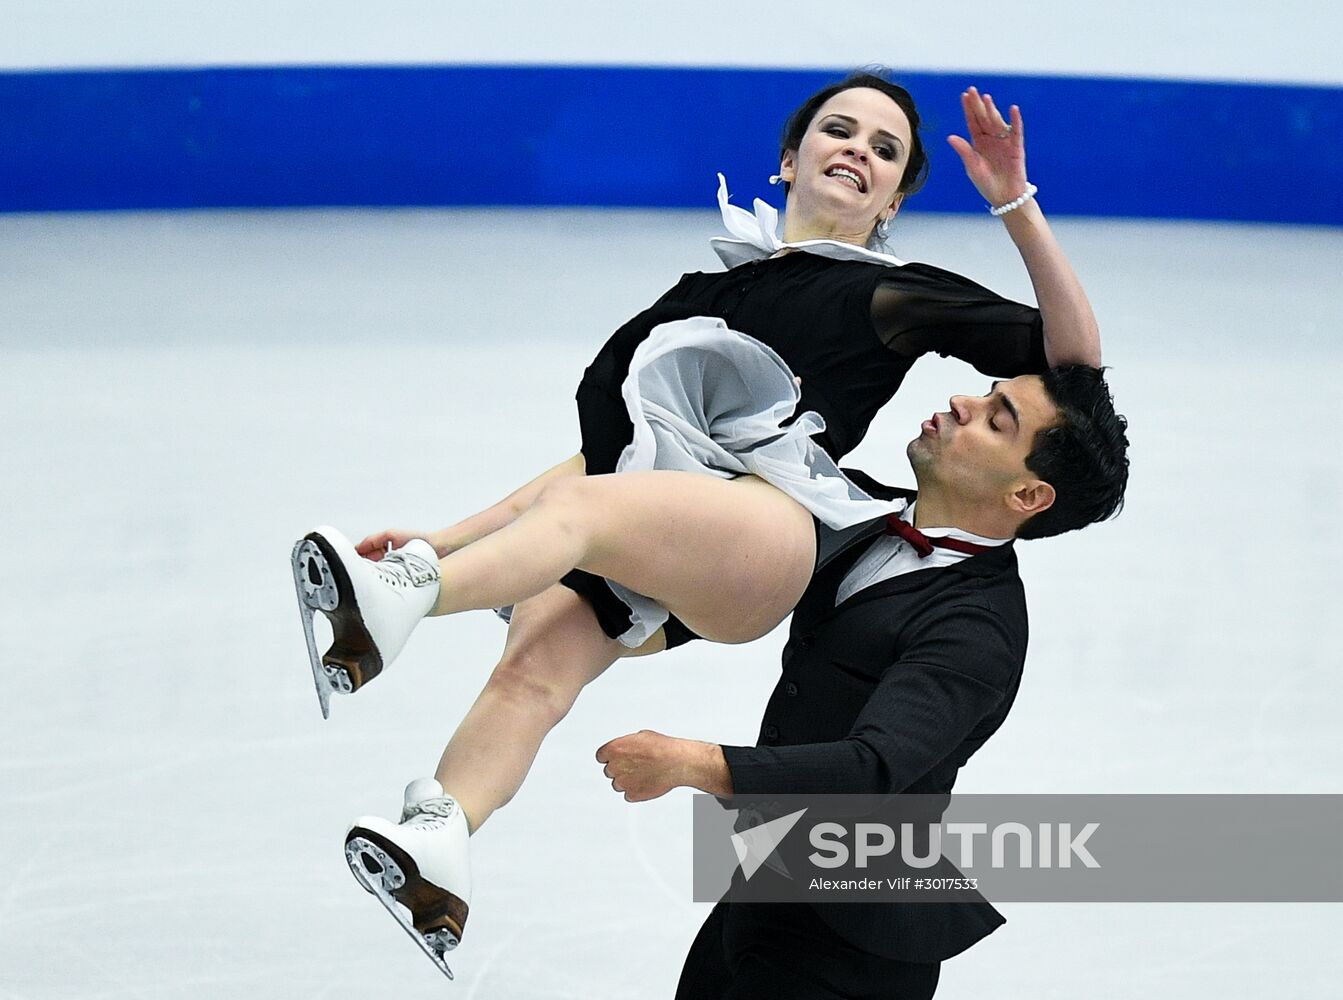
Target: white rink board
x=184 y=394
x=1290 y=41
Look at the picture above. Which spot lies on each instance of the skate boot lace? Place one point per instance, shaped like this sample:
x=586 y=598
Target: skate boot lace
x=429 y=814
x=405 y=569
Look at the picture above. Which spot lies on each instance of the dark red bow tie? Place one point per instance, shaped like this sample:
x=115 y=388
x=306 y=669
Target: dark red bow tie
x=923 y=545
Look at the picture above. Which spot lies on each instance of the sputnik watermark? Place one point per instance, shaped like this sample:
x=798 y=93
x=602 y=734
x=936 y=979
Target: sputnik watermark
x=878 y=840
x=759 y=845
x=1061 y=848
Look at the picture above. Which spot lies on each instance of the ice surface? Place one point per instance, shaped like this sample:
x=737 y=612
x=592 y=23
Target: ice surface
x=182 y=395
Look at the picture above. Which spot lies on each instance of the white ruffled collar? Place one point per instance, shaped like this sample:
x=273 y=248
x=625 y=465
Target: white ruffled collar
x=757 y=237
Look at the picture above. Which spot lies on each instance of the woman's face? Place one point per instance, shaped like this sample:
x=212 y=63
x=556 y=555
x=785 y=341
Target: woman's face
x=850 y=162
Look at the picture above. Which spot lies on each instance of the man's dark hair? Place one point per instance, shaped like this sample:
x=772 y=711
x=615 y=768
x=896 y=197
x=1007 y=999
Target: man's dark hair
x=1084 y=457
x=916 y=167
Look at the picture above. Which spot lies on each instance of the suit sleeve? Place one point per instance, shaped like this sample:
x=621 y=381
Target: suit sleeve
x=927 y=310
x=953 y=673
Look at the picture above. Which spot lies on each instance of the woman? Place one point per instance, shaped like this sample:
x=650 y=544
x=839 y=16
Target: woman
x=728 y=557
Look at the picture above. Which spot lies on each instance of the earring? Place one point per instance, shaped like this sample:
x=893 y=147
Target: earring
x=775 y=179
x=883 y=229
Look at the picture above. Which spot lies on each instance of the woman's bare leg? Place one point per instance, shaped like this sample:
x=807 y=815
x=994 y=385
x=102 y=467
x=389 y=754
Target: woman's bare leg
x=729 y=557
x=477 y=526
x=506 y=510
x=554 y=648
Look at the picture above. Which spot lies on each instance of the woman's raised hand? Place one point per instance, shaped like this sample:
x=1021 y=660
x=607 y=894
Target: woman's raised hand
x=995 y=156
x=376 y=546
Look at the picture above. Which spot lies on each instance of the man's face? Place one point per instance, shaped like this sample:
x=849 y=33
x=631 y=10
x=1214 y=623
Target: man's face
x=976 y=451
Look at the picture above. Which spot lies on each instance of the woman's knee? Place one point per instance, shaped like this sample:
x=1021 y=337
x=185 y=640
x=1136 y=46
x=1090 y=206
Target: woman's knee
x=570 y=502
x=526 y=678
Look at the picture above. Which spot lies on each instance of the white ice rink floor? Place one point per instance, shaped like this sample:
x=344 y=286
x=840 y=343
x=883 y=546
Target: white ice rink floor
x=182 y=395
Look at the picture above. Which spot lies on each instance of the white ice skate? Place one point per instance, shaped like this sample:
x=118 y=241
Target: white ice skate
x=419 y=868
x=372 y=606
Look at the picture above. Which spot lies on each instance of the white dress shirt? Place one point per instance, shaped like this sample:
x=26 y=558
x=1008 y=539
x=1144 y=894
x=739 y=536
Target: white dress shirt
x=891 y=555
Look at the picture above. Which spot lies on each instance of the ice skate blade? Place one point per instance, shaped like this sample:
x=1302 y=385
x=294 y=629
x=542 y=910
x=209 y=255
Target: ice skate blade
x=322 y=585
x=316 y=589
x=382 y=874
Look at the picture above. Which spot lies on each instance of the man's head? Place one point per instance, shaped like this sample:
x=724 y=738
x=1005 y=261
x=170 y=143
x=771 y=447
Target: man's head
x=1037 y=456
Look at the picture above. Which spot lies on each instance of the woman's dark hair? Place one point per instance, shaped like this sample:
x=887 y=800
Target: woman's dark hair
x=1084 y=457
x=916 y=167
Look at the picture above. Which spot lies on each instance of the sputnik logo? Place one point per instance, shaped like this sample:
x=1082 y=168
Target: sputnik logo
x=757 y=845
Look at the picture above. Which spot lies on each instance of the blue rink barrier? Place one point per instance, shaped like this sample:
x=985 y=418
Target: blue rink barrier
x=627 y=136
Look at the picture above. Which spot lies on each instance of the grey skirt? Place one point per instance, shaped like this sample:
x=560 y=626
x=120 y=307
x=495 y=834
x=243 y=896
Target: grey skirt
x=705 y=398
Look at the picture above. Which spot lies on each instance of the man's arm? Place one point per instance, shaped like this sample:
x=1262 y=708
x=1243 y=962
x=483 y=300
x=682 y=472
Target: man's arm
x=953 y=674
x=646 y=764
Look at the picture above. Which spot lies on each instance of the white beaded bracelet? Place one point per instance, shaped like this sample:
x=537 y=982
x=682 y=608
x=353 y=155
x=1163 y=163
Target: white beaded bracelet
x=1012 y=206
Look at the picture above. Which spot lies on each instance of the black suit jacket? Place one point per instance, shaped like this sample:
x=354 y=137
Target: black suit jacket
x=892 y=691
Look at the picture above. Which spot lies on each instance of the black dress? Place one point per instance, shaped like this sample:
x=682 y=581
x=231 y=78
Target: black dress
x=849 y=329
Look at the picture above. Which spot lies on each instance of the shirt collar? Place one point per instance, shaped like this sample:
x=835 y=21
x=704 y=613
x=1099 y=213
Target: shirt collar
x=907 y=515
x=757 y=237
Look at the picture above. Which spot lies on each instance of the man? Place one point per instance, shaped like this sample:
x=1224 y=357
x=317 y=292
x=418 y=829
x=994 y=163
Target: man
x=904 y=657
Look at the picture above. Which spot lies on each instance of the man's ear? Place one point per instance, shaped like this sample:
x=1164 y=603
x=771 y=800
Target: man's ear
x=1031 y=498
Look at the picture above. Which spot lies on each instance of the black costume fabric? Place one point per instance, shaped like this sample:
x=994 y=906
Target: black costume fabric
x=783 y=951
x=851 y=330
x=892 y=691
